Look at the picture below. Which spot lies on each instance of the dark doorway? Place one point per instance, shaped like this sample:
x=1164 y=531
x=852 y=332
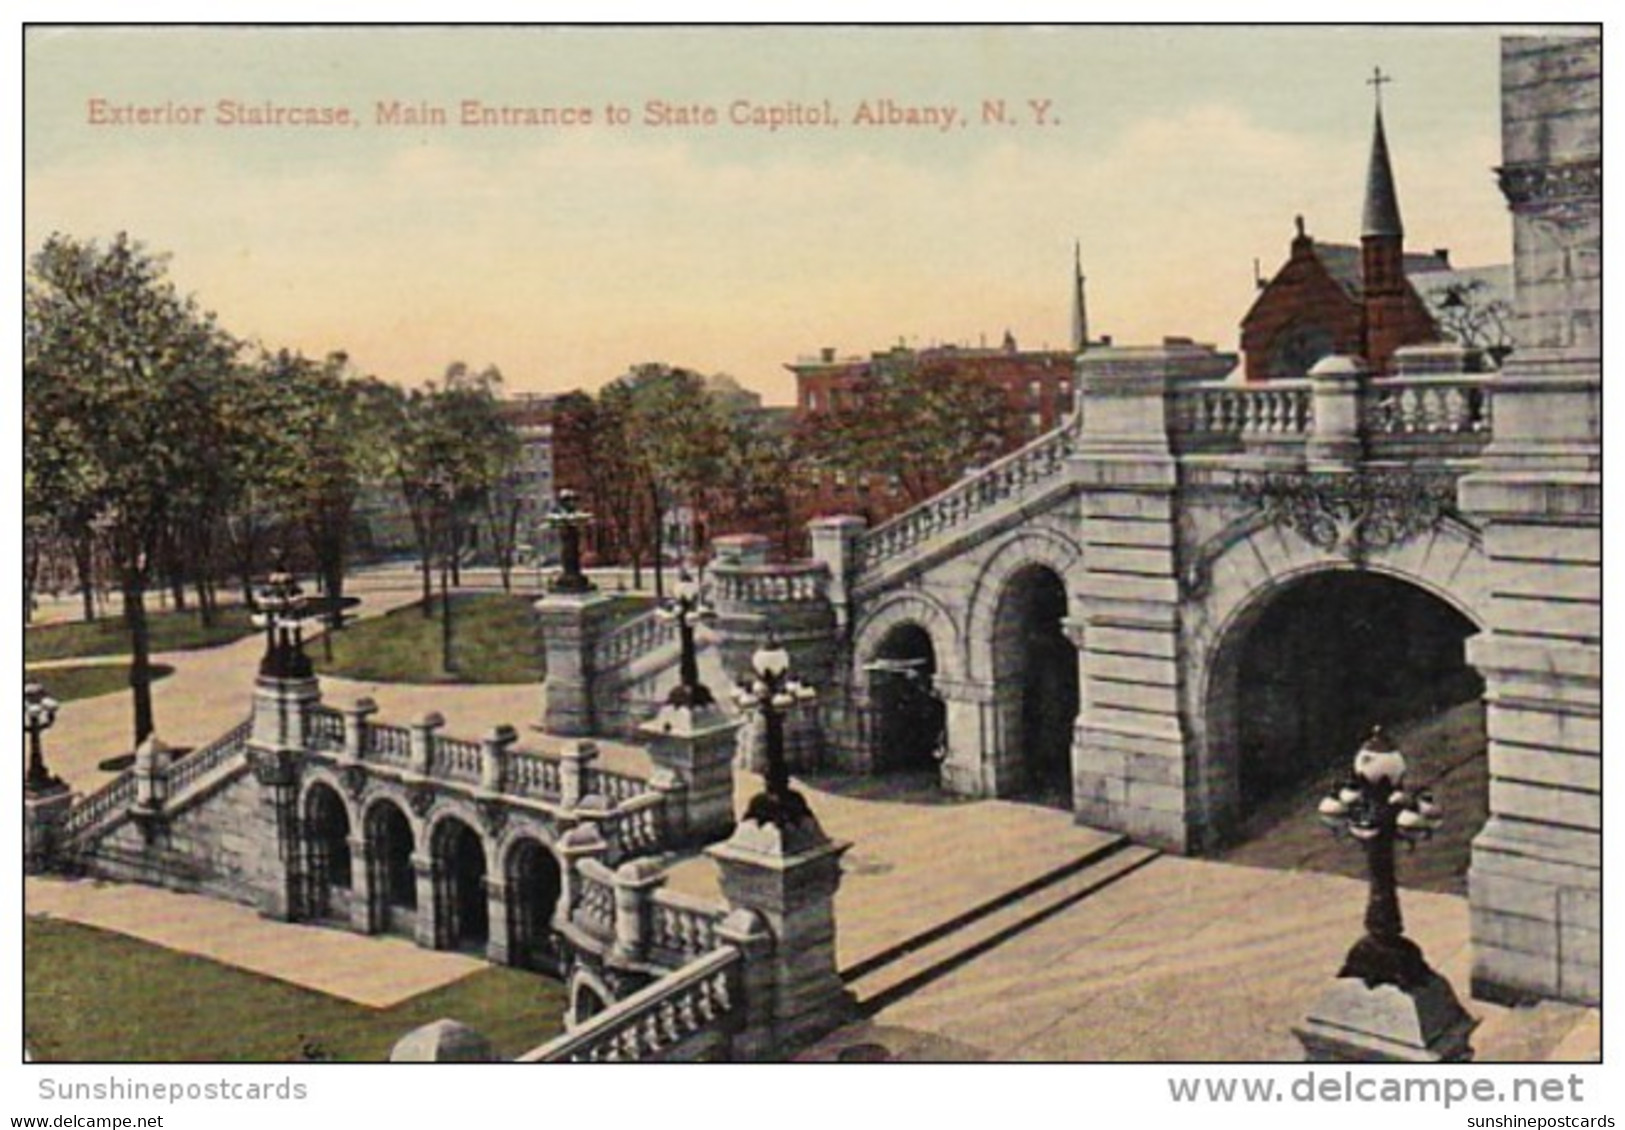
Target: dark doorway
x=910 y=720
x=327 y=833
x=1299 y=688
x=394 y=882
x=534 y=886
x=459 y=864
x=1035 y=669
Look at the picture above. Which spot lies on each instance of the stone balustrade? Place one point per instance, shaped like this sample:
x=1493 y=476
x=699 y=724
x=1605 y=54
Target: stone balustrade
x=616 y=788
x=1041 y=461
x=1226 y=416
x=201 y=762
x=534 y=776
x=326 y=729
x=679 y=1009
x=632 y=640
x=637 y=825
x=457 y=759
x=592 y=900
x=681 y=927
x=1452 y=406
x=113 y=798
x=803 y=582
x=389 y=745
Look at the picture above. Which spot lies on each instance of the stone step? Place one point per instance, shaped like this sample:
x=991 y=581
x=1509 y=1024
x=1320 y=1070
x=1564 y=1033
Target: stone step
x=894 y=973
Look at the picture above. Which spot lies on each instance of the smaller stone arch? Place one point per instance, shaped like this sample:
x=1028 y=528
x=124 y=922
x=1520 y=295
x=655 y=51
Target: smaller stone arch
x=930 y=614
x=391 y=845
x=1033 y=547
x=325 y=827
x=533 y=878
x=588 y=994
x=459 y=863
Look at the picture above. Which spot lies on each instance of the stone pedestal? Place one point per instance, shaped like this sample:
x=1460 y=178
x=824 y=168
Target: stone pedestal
x=1354 y=1023
x=788 y=876
x=1335 y=384
x=571 y=625
x=443 y=1041
x=697 y=746
x=281 y=712
x=43 y=814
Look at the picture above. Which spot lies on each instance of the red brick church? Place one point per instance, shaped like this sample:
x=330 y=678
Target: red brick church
x=1373 y=299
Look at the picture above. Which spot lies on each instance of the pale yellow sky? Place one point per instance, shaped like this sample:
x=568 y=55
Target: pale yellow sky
x=564 y=254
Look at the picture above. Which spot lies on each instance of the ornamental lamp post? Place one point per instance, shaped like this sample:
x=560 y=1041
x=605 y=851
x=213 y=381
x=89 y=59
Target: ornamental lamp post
x=1374 y=807
x=772 y=693
x=279 y=607
x=569 y=520
x=687 y=607
x=39 y=715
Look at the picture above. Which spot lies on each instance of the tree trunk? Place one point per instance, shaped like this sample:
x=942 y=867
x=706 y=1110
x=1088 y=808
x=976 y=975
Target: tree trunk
x=659 y=519
x=135 y=615
x=428 y=583
x=84 y=561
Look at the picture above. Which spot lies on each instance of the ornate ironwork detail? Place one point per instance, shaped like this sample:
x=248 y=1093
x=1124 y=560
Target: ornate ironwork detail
x=1352 y=514
x=354 y=779
x=1551 y=183
x=420 y=798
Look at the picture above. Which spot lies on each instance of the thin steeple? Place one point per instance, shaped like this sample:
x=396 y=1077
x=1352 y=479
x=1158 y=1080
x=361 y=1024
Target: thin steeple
x=1080 y=310
x=1381 y=216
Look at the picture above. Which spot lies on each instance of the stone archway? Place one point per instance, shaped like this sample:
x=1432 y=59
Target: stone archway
x=1035 y=678
x=908 y=722
x=462 y=907
x=392 y=879
x=534 y=882
x=1304 y=671
x=329 y=877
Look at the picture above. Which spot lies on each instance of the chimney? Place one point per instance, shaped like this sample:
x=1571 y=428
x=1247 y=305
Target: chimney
x=1442 y=254
x=827 y=353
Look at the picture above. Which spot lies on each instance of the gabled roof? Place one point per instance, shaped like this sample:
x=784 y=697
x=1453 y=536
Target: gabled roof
x=1342 y=262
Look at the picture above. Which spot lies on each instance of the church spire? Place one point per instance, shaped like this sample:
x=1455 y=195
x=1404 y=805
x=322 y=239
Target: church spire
x=1381 y=216
x=1080 y=310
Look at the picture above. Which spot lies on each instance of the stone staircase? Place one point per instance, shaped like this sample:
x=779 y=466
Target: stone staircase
x=885 y=977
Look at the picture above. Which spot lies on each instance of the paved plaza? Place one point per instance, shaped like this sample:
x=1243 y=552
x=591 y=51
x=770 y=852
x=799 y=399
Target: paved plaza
x=1181 y=959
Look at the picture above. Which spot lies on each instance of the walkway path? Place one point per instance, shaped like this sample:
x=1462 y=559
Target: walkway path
x=373 y=971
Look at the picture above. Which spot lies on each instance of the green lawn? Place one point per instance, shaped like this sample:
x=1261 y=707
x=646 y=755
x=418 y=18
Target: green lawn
x=94 y=995
x=494 y=640
x=171 y=631
x=87 y=680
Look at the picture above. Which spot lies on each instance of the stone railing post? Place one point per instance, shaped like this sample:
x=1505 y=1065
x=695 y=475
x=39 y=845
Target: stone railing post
x=747 y=932
x=693 y=747
x=673 y=794
x=282 y=713
x=788 y=877
x=573 y=763
x=355 y=727
x=423 y=742
x=571 y=625
x=579 y=844
x=1337 y=385
x=152 y=758
x=635 y=883
x=43 y=814
x=835 y=543
x=494 y=757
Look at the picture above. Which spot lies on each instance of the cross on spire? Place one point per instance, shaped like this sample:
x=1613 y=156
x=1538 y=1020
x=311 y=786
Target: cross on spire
x=1376 y=82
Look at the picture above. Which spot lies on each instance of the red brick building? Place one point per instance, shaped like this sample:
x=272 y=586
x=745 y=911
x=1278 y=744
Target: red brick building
x=1038 y=386
x=1366 y=301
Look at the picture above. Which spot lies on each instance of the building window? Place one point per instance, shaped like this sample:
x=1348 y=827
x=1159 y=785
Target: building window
x=1035 y=421
x=812 y=400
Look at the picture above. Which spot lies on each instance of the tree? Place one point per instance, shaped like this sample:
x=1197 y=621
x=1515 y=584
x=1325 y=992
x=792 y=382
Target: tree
x=1468 y=315
x=118 y=356
x=675 y=438
x=448 y=445
x=916 y=426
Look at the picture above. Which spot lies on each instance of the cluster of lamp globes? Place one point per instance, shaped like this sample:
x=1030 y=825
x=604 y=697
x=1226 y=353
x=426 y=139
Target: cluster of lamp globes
x=773 y=686
x=280 y=594
x=1374 y=795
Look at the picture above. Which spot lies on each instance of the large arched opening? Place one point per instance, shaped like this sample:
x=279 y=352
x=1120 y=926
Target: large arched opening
x=909 y=719
x=462 y=910
x=392 y=879
x=1035 y=675
x=327 y=852
x=1300 y=680
x=534 y=883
